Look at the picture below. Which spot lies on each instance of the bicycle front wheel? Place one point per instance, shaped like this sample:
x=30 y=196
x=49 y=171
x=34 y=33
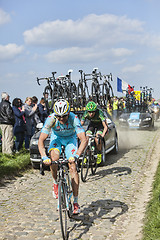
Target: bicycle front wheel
x=85 y=164
x=62 y=208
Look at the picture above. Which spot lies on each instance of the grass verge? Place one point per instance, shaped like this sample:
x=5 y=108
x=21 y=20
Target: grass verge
x=152 y=220
x=13 y=164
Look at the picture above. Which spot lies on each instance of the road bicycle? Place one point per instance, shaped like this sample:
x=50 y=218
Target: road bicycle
x=78 y=95
x=96 y=87
x=107 y=90
x=82 y=90
x=65 y=192
x=67 y=89
x=50 y=91
x=89 y=158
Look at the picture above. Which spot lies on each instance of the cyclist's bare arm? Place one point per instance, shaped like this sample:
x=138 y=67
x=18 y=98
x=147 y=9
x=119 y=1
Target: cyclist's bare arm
x=83 y=143
x=105 y=128
x=41 y=147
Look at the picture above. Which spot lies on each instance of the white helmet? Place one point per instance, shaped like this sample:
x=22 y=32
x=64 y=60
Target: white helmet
x=61 y=107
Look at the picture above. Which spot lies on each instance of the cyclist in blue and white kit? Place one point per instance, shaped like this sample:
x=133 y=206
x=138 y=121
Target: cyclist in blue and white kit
x=65 y=127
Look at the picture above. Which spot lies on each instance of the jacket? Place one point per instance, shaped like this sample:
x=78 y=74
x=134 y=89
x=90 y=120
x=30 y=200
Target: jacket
x=42 y=113
x=19 y=125
x=30 y=118
x=6 y=113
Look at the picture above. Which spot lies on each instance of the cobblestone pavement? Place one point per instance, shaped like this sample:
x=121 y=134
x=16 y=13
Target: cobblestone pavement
x=28 y=210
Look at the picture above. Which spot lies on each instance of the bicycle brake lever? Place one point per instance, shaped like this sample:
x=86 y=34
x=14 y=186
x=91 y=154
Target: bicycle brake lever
x=41 y=168
x=77 y=167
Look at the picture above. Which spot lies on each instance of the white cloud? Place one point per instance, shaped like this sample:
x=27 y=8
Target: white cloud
x=4 y=17
x=119 y=52
x=10 y=51
x=73 y=54
x=92 y=29
x=11 y=75
x=94 y=37
x=77 y=54
x=134 y=69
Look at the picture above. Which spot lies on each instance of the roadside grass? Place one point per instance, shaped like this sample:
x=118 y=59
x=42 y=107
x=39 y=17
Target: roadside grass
x=13 y=164
x=151 y=228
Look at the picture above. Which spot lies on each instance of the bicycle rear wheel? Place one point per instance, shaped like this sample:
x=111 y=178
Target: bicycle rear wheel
x=103 y=152
x=81 y=98
x=93 y=163
x=62 y=208
x=105 y=93
x=48 y=97
x=95 y=93
x=85 y=164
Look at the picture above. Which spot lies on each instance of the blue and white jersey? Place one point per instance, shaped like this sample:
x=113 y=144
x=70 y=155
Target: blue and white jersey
x=71 y=127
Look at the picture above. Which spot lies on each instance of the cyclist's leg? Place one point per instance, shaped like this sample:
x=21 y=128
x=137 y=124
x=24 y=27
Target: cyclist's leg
x=90 y=130
x=54 y=152
x=70 y=150
x=99 y=146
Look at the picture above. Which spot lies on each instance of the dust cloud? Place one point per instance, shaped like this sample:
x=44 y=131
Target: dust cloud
x=129 y=139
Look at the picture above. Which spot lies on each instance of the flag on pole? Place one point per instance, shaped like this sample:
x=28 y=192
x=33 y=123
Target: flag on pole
x=122 y=85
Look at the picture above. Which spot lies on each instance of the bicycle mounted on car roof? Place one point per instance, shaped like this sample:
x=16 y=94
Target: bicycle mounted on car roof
x=61 y=87
x=78 y=96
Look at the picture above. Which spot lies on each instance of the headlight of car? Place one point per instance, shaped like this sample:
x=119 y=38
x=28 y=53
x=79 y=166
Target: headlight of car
x=122 y=120
x=147 y=119
x=34 y=142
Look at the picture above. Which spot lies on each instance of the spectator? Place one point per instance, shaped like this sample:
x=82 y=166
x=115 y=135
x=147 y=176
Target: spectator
x=42 y=110
x=19 y=126
x=36 y=118
x=6 y=124
x=46 y=102
x=29 y=116
x=109 y=107
x=115 y=108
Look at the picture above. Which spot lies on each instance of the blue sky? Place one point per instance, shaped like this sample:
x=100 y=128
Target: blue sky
x=38 y=37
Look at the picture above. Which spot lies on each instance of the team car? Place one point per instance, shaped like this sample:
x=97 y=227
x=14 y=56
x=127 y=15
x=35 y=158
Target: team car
x=110 y=139
x=137 y=120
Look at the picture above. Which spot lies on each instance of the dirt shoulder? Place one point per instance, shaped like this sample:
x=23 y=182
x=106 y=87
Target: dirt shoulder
x=134 y=219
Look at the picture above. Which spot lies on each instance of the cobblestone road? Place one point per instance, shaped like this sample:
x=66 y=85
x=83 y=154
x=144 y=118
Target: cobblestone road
x=28 y=210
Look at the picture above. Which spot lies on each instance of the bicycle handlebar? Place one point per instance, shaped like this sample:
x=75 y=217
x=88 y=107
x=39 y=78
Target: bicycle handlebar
x=67 y=161
x=63 y=161
x=45 y=78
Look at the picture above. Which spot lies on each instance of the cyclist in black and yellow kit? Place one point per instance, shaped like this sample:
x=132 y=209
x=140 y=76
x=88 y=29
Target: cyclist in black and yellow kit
x=98 y=122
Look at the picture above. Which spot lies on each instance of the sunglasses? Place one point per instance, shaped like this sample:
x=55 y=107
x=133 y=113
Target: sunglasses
x=59 y=117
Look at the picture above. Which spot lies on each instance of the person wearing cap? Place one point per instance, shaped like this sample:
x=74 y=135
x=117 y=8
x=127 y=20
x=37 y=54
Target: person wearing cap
x=65 y=129
x=7 y=121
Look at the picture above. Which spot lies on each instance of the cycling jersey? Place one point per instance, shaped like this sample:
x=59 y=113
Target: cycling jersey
x=98 y=117
x=63 y=134
x=71 y=127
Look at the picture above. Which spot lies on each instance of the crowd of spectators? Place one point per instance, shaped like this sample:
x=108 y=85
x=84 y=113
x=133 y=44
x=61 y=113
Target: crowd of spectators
x=18 y=121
